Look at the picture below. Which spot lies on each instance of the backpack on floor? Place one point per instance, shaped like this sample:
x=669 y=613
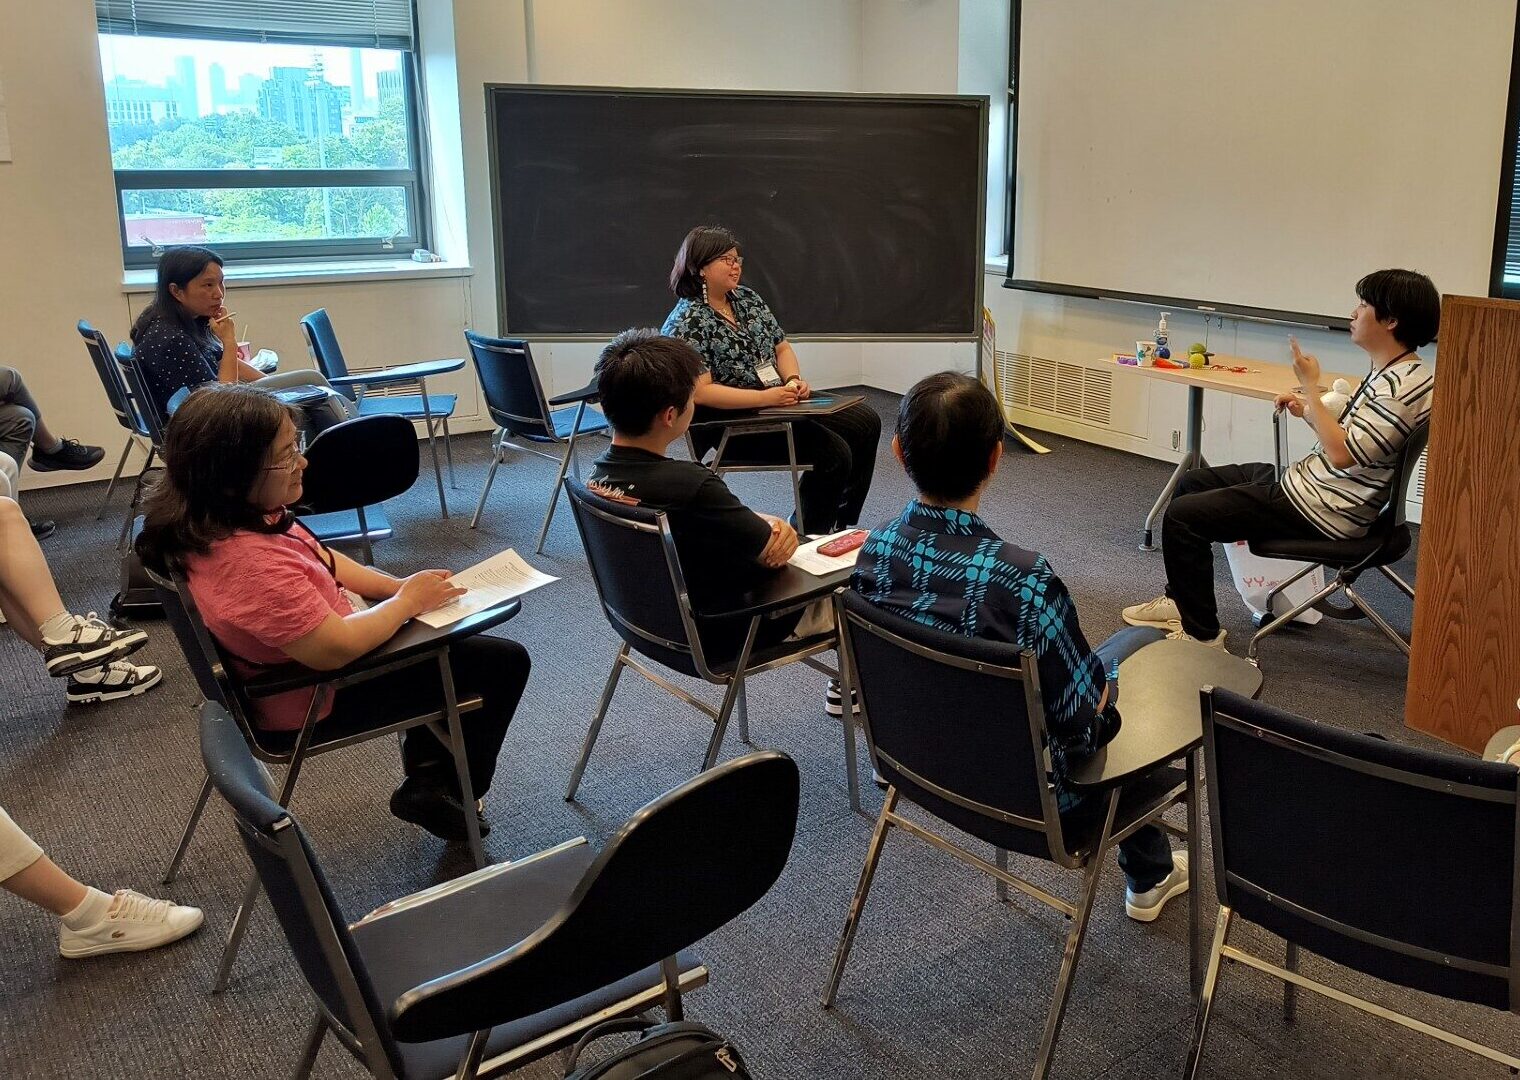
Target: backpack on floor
x=136 y=598
x=678 y=1050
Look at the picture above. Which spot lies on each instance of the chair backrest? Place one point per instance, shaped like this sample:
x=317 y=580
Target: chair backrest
x=1393 y=860
x=302 y=899
x=686 y=864
x=514 y=395
x=360 y=462
x=955 y=723
x=147 y=412
x=323 y=342
x=627 y=546
x=112 y=380
x=1409 y=461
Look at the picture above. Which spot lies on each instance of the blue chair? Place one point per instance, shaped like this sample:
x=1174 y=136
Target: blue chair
x=125 y=408
x=515 y=399
x=145 y=411
x=1393 y=861
x=432 y=410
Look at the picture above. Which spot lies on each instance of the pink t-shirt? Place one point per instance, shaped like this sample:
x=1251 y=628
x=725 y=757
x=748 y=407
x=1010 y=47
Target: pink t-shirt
x=258 y=592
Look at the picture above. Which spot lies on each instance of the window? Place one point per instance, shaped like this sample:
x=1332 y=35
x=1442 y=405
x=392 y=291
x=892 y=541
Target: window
x=263 y=129
x=1505 y=279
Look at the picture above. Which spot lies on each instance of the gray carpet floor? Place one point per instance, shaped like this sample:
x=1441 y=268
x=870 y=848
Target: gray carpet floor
x=944 y=980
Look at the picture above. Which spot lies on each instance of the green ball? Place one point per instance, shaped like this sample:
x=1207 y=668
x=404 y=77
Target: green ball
x=1198 y=346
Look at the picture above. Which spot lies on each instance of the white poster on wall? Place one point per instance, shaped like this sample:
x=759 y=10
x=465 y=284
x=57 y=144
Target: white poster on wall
x=5 y=134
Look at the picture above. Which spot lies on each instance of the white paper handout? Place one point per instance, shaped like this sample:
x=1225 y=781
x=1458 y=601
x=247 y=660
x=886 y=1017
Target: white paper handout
x=807 y=556
x=499 y=578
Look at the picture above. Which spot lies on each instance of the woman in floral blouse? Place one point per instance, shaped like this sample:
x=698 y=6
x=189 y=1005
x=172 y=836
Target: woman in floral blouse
x=751 y=365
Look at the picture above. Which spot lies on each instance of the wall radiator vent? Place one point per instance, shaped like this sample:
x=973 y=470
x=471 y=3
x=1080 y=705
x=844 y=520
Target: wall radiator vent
x=1072 y=391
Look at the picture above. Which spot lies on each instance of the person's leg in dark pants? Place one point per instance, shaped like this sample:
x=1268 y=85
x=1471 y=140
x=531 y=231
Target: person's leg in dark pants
x=860 y=428
x=17 y=425
x=823 y=485
x=1220 y=505
x=49 y=452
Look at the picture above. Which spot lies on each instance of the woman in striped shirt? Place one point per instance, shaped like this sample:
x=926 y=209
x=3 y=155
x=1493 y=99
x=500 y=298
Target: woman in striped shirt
x=1338 y=490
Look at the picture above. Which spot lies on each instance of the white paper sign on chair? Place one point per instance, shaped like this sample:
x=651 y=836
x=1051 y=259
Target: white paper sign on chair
x=1255 y=577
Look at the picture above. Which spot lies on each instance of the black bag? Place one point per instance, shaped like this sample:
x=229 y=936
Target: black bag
x=315 y=404
x=136 y=597
x=679 y=1050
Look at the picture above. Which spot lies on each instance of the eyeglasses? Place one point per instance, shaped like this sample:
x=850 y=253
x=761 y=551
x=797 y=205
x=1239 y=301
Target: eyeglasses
x=288 y=462
x=732 y=260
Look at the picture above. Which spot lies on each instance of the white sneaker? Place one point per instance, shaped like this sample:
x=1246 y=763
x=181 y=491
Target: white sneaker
x=135 y=922
x=833 y=700
x=1215 y=642
x=89 y=643
x=1146 y=906
x=111 y=682
x=1161 y=612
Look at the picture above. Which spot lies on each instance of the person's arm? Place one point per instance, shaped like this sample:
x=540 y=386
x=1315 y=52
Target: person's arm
x=369 y=582
x=717 y=396
x=1073 y=682
x=715 y=512
x=1326 y=425
x=341 y=639
x=781 y=546
x=790 y=370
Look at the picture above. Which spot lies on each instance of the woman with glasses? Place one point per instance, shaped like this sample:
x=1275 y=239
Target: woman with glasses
x=270 y=593
x=751 y=365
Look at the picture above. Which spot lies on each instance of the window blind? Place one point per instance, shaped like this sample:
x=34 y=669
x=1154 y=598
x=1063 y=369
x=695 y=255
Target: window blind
x=1509 y=284
x=385 y=24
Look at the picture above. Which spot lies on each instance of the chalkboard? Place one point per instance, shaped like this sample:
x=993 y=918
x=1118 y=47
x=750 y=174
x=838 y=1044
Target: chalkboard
x=859 y=216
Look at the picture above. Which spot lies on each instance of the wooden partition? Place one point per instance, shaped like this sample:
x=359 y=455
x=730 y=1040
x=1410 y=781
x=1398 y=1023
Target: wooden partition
x=1464 y=667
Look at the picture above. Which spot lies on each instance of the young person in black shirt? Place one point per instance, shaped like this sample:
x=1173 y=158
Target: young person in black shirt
x=647 y=383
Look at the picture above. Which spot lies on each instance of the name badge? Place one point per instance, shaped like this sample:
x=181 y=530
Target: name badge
x=768 y=374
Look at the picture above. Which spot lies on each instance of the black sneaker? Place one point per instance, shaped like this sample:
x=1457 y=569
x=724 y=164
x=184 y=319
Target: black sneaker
x=833 y=700
x=90 y=644
x=70 y=455
x=41 y=530
x=435 y=810
x=111 y=682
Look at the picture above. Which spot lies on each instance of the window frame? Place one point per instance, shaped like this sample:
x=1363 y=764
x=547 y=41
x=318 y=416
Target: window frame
x=411 y=180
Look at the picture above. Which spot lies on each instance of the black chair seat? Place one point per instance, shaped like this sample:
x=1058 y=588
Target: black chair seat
x=413 y=945
x=1340 y=554
x=1079 y=828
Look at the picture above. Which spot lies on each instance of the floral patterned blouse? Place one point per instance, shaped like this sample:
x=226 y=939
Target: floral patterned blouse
x=732 y=354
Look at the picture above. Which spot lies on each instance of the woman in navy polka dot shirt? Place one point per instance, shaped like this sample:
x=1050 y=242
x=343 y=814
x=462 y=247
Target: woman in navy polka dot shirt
x=186 y=337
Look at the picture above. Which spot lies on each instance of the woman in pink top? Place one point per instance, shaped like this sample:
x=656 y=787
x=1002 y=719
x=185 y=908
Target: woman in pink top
x=271 y=593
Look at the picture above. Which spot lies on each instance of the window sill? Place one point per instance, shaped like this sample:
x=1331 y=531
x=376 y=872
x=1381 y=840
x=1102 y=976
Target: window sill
x=314 y=273
x=996 y=264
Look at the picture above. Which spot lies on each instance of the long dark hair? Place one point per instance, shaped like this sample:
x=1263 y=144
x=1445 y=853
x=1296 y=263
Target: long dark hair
x=178 y=266
x=701 y=246
x=214 y=453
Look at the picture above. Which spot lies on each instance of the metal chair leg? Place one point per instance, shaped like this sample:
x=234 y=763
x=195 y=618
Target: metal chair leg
x=313 y=1047
x=126 y=526
x=1377 y=620
x=730 y=697
x=1002 y=886
x=455 y=724
x=448 y=451
x=115 y=476
x=1206 y=998
x=364 y=541
x=559 y=480
x=858 y=902
x=235 y=935
x=496 y=457
x=791 y=460
x=596 y=722
x=1287 y=617
x=427 y=414
x=190 y=827
x=1404 y=586
x=741 y=711
x=847 y=722
x=1073 y=950
x=1290 y=990
x=1279 y=588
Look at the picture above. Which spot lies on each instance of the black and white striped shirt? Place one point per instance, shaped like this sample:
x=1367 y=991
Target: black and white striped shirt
x=1343 y=503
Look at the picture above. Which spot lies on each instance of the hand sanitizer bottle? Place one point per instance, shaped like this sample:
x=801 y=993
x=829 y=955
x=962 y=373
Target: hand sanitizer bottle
x=1161 y=336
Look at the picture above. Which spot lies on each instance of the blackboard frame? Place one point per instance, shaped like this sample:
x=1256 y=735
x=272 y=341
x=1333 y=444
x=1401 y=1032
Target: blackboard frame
x=977 y=269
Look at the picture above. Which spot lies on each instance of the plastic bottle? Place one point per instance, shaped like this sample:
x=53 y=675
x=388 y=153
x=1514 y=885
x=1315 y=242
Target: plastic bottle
x=1161 y=337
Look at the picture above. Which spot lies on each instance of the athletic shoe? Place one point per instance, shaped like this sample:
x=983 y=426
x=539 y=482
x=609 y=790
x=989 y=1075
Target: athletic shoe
x=41 y=530
x=1146 y=906
x=71 y=455
x=1215 y=642
x=435 y=810
x=833 y=700
x=90 y=644
x=135 y=922
x=1161 y=612
x=110 y=682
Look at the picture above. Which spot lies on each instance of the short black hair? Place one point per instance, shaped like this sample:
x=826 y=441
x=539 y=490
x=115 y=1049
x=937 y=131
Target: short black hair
x=641 y=373
x=701 y=246
x=1407 y=296
x=948 y=426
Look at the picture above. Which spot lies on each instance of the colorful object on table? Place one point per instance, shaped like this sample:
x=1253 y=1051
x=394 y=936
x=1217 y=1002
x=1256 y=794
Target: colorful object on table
x=1170 y=364
x=1163 y=353
x=1145 y=352
x=1128 y=359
